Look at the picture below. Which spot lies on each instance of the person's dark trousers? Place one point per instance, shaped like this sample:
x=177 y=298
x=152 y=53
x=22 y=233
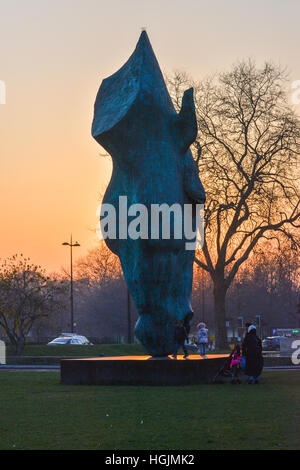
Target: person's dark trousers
x=181 y=345
x=184 y=349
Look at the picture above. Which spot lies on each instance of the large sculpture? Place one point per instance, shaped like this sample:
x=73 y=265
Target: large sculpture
x=135 y=121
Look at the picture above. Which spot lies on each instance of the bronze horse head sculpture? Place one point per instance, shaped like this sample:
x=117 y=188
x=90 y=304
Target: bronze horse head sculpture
x=136 y=122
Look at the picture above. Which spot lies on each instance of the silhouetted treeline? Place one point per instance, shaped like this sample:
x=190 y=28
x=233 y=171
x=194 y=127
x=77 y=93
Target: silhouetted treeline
x=268 y=286
x=266 y=290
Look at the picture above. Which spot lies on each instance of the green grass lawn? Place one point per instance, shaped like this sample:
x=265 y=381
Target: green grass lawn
x=84 y=351
x=37 y=412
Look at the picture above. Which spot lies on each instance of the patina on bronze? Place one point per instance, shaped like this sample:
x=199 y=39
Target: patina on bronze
x=136 y=122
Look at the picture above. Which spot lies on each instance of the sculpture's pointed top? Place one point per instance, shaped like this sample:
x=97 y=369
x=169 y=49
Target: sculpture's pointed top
x=144 y=39
x=149 y=61
x=139 y=76
x=144 y=34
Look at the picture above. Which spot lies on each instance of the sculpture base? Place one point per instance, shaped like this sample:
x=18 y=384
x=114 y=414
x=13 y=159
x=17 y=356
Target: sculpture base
x=140 y=370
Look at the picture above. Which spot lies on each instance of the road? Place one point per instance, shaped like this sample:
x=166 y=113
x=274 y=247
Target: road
x=28 y=368
x=53 y=368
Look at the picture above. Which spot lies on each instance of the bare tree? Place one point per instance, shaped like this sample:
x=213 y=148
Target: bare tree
x=101 y=293
x=99 y=266
x=267 y=285
x=26 y=295
x=247 y=151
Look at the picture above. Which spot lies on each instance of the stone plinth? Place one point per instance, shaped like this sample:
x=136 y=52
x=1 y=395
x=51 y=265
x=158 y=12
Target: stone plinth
x=140 y=370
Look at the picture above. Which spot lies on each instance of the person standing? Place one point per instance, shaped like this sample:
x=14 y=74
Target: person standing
x=180 y=335
x=202 y=339
x=252 y=351
x=247 y=326
x=187 y=322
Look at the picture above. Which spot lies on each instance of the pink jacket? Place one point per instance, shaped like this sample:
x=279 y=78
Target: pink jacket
x=235 y=360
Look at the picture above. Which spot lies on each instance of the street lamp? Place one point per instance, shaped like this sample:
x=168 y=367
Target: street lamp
x=71 y=244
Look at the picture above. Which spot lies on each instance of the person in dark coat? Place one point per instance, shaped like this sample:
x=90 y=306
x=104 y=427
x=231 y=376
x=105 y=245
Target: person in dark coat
x=252 y=351
x=180 y=335
x=187 y=322
x=247 y=326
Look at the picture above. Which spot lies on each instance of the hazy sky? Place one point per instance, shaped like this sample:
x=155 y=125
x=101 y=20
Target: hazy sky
x=53 y=57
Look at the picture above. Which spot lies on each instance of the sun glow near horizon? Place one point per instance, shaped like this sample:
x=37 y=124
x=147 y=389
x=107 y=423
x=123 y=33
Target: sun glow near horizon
x=55 y=57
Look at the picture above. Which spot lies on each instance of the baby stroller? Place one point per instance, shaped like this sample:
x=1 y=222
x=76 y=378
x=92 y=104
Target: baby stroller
x=231 y=368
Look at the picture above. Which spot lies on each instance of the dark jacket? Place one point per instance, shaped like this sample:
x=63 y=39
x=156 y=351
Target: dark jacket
x=187 y=322
x=180 y=334
x=252 y=351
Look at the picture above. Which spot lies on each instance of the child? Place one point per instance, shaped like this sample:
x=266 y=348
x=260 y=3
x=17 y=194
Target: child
x=202 y=339
x=180 y=336
x=235 y=363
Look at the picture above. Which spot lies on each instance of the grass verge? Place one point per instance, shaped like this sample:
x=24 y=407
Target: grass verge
x=85 y=351
x=37 y=412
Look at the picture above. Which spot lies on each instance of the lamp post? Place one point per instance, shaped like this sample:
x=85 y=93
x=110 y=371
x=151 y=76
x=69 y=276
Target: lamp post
x=71 y=244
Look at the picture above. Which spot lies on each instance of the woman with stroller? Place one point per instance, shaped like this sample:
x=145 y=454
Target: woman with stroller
x=202 y=339
x=252 y=351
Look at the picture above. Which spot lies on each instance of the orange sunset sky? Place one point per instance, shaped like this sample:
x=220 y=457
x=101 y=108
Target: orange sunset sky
x=53 y=57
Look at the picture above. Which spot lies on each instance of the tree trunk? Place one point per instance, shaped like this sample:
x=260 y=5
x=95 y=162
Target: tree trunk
x=220 y=291
x=19 y=346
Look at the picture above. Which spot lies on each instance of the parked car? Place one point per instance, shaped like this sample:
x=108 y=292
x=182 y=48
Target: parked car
x=69 y=338
x=272 y=343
